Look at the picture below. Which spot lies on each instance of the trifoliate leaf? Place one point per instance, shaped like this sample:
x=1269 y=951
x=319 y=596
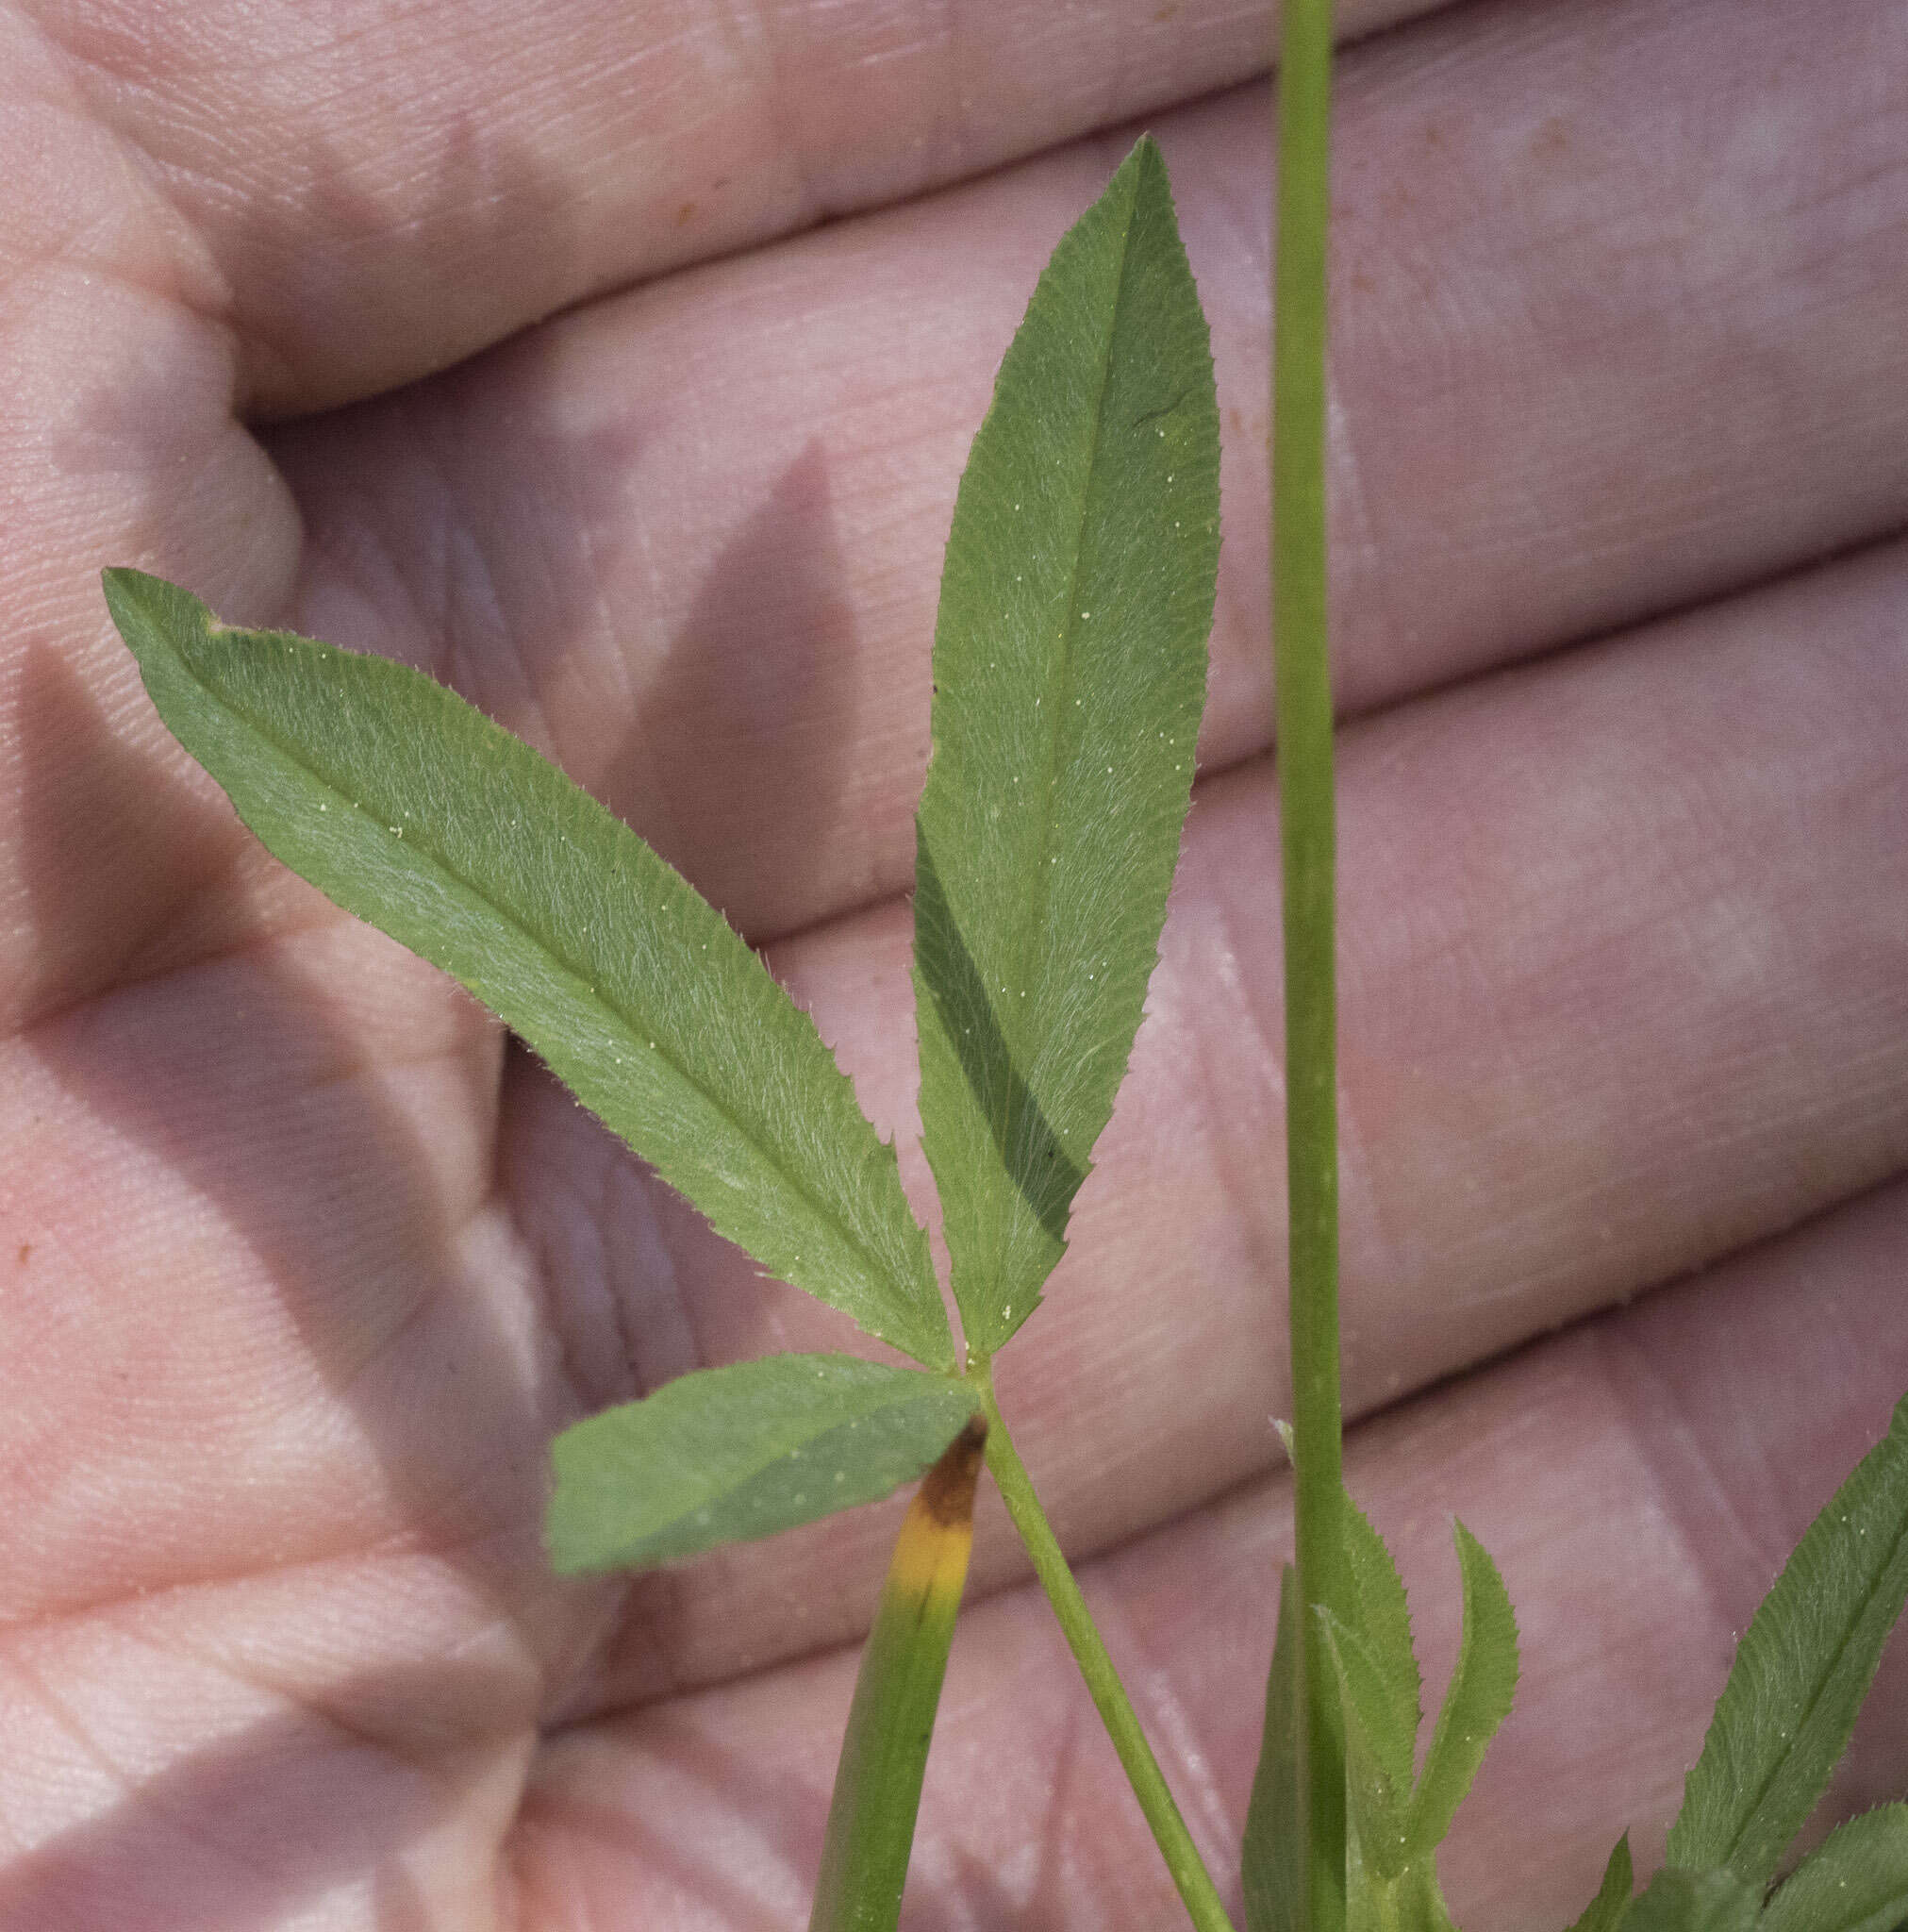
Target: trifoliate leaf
x=1475 y=1704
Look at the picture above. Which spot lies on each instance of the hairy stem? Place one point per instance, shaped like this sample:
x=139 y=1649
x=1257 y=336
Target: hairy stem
x=1303 y=680
x=1102 y=1681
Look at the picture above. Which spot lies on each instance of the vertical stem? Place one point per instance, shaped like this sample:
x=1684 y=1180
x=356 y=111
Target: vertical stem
x=1302 y=676
x=1196 y=1889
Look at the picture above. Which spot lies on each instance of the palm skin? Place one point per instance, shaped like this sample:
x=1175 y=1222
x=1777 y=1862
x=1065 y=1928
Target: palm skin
x=305 y=1263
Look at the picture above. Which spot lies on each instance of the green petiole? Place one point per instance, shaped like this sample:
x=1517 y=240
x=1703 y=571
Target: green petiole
x=1196 y=1889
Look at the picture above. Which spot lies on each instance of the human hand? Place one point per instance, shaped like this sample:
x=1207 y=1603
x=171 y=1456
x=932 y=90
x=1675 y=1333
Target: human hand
x=305 y=1266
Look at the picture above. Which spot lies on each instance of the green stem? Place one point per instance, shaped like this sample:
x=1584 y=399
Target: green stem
x=1102 y=1681
x=1307 y=835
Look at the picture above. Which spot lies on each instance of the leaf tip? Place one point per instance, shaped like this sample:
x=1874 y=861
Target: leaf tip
x=141 y=604
x=125 y=590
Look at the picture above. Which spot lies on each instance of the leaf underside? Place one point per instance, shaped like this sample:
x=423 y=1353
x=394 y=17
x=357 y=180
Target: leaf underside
x=1477 y=1701
x=1682 y=1901
x=1801 y=1672
x=1375 y=1797
x=1070 y=677
x=411 y=809
x=723 y=1455
x=1381 y=1619
x=1856 y=1880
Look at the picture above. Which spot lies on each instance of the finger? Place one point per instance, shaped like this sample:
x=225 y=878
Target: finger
x=690 y=540
x=1638 y=1480
x=251 y=1217
x=334 y=1744
x=375 y=195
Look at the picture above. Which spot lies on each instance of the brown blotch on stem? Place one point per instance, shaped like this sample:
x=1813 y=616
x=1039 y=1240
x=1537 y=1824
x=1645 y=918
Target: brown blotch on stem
x=947 y=1490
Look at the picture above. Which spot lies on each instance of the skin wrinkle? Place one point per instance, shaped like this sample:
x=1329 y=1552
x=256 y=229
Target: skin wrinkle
x=1164 y=1716
x=497 y=1644
x=1630 y=1369
x=619 y=1313
x=1052 y=1876
x=474 y=608
x=363 y=555
x=195 y=287
x=600 y=646
x=466 y=581
x=569 y=1292
x=344 y=1068
x=776 y=101
x=667 y=1339
x=425 y=1301
x=1217 y=1026
x=238 y=861
x=349 y=1733
x=123 y=1614
x=350 y=1549
x=32 y=1680
x=420 y=1754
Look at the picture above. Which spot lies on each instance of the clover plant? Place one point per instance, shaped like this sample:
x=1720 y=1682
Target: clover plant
x=1070 y=673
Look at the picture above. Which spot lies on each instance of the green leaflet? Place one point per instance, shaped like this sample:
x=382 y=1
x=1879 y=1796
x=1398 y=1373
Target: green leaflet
x=1381 y=1619
x=416 y=813
x=1605 y=1912
x=725 y=1454
x=1375 y=1795
x=1273 y=1860
x=1801 y=1672
x=1069 y=676
x=1369 y=1637
x=1476 y=1703
x=1855 y=1881
x=1682 y=1901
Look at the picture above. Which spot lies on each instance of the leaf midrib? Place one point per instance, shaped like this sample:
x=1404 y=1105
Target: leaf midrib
x=1059 y=685
x=567 y=968
x=1824 y=1679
